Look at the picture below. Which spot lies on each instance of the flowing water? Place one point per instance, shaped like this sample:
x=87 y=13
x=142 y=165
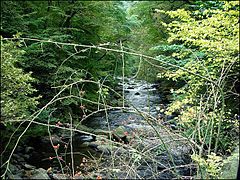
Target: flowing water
x=140 y=96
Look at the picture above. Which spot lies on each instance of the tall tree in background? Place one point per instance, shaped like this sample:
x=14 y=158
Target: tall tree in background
x=206 y=35
x=148 y=30
x=81 y=22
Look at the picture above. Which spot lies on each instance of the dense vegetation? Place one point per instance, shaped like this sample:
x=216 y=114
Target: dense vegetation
x=48 y=46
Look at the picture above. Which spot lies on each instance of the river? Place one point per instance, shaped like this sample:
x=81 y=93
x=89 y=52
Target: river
x=144 y=147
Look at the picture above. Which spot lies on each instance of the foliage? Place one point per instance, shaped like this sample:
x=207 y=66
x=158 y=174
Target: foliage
x=195 y=45
x=212 y=53
x=11 y=18
x=211 y=166
x=147 y=31
x=17 y=99
x=80 y=22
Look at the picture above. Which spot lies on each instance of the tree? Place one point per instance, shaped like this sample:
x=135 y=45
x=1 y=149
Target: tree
x=17 y=93
x=211 y=36
x=148 y=32
x=80 y=22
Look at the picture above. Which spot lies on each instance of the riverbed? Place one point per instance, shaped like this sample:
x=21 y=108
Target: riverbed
x=129 y=142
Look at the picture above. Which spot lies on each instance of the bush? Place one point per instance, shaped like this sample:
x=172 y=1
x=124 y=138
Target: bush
x=17 y=99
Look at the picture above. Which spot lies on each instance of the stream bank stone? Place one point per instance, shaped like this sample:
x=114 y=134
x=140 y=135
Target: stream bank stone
x=39 y=174
x=28 y=166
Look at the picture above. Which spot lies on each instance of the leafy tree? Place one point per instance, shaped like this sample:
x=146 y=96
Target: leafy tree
x=17 y=100
x=148 y=31
x=80 y=22
x=212 y=40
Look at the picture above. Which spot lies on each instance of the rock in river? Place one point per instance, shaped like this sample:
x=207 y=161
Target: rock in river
x=39 y=174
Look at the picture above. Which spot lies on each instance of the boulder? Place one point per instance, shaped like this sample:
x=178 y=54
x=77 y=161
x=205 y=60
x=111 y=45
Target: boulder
x=39 y=174
x=83 y=138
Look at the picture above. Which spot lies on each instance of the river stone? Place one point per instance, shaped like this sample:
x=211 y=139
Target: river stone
x=84 y=138
x=28 y=166
x=29 y=149
x=60 y=176
x=39 y=174
x=108 y=149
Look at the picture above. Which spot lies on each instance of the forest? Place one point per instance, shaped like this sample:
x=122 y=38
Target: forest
x=120 y=89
